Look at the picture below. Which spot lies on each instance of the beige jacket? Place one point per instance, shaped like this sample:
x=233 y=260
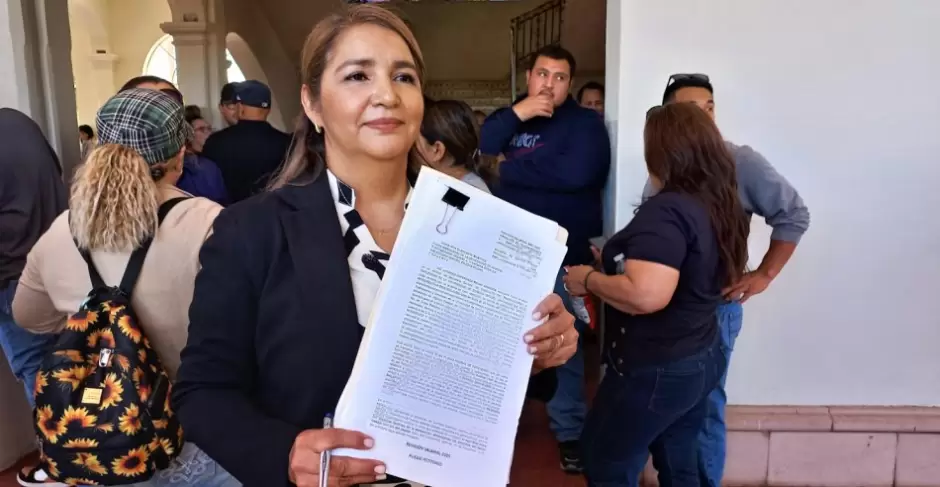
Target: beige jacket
x=56 y=282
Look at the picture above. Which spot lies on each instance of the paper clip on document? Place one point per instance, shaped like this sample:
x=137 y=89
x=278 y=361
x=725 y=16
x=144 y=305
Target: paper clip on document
x=455 y=200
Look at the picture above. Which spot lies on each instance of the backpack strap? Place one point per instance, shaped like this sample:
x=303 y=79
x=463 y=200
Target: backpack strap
x=167 y=206
x=96 y=281
x=136 y=262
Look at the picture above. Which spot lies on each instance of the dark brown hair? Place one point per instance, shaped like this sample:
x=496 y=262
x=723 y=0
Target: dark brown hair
x=192 y=113
x=145 y=79
x=307 y=155
x=556 y=52
x=687 y=153
x=453 y=123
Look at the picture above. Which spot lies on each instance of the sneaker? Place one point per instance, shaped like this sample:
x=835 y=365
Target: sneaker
x=36 y=477
x=571 y=457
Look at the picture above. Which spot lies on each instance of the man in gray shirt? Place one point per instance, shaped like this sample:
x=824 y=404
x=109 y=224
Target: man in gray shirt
x=763 y=191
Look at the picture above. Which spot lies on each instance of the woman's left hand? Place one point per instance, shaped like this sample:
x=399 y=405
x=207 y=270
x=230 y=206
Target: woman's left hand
x=574 y=279
x=555 y=341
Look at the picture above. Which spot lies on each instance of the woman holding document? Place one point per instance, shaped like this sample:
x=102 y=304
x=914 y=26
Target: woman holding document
x=289 y=277
x=661 y=281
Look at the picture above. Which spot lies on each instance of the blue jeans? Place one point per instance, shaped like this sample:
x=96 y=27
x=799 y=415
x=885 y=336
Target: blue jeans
x=24 y=350
x=651 y=409
x=568 y=407
x=713 y=434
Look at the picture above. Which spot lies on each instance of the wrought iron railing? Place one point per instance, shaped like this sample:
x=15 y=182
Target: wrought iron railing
x=532 y=31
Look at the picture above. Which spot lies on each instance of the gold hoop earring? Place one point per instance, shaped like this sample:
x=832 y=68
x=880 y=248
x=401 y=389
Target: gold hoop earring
x=317 y=128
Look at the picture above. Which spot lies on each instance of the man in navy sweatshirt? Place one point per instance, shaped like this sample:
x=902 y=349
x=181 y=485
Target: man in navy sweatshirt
x=764 y=192
x=556 y=160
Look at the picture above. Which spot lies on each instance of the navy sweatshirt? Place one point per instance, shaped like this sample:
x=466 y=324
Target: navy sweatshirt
x=555 y=167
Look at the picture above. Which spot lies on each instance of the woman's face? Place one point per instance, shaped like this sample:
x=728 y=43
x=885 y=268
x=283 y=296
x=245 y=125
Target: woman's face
x=370 y=98
x=203 y=130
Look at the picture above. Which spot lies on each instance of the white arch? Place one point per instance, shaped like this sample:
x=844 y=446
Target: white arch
x=161 y=61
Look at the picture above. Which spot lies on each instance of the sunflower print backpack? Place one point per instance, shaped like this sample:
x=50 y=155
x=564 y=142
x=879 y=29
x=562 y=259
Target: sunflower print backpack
x=103 y=413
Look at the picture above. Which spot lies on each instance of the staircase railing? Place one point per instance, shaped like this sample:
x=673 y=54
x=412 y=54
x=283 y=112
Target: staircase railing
x=532 y=31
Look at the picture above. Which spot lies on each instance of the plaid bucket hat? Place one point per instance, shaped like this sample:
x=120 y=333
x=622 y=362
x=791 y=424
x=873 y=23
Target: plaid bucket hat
x=148 y=121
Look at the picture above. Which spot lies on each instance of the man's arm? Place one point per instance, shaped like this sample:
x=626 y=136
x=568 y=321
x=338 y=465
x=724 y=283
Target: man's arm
x=583 y=162
x=772 y=197
x=497 y=131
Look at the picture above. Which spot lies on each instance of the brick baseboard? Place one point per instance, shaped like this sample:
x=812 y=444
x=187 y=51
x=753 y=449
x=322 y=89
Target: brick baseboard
x=831 y=446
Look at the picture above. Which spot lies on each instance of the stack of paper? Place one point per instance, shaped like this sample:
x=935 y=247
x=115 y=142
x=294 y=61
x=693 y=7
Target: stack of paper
x=442 y=371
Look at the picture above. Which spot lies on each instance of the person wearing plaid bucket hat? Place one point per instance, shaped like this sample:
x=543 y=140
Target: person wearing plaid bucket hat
x=115 y=199
x=148 y=122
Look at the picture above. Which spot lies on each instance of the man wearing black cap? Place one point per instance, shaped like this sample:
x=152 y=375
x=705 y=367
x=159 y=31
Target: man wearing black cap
x=249 y=152
x=228 y=107
x=762 y=191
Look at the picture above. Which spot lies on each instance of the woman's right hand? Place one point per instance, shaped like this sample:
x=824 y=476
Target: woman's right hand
x=344 y=471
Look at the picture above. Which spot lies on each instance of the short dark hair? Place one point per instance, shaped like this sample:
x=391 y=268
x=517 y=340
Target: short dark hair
x=556 y=52
x=139 y=80
x=229 y=90
x=590 y=85
x=670 y=93
x=192 y=113
x=87 y=130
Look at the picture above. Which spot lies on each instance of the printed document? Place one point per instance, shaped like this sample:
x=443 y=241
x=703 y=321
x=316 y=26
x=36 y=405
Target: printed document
x=441 y=375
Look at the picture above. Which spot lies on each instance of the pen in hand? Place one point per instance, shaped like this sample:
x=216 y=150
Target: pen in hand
x=325 y=455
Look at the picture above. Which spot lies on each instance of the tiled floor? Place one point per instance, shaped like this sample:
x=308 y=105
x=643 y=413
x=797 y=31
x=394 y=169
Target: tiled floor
x=536 y=460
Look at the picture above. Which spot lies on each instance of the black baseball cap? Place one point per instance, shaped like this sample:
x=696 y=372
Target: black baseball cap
x=228 y=93
x=686 y=80
x=253 y=93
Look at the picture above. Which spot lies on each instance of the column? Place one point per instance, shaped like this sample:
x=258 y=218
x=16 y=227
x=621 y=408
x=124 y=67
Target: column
x=36 y=70
x=18 y=58
x=198 y=31
x=27 y=85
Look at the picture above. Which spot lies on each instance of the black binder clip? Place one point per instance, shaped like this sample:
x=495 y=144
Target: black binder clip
x=455 y=200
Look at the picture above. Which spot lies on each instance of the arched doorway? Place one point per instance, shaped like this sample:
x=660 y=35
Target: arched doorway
x=161 y=61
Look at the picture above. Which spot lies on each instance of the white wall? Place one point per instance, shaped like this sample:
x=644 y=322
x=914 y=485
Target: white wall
x=134 y=28
x=841 y=96
x=93 y=70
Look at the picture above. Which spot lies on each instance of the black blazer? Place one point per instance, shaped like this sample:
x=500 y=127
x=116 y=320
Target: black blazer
x=273 y=331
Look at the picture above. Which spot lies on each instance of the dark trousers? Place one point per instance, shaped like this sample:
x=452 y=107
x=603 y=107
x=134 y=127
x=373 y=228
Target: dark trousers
x=656 y=410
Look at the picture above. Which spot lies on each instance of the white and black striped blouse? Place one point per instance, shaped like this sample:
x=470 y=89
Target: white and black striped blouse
x=366 y=263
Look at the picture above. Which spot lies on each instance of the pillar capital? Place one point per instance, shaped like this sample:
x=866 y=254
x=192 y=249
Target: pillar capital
x=189 y=33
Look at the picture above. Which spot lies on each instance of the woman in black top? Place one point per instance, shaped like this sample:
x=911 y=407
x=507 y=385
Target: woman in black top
x=661 y=283
x=289 y=277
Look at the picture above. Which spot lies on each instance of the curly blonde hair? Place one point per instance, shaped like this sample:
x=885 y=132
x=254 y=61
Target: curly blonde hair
x=113 y=202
